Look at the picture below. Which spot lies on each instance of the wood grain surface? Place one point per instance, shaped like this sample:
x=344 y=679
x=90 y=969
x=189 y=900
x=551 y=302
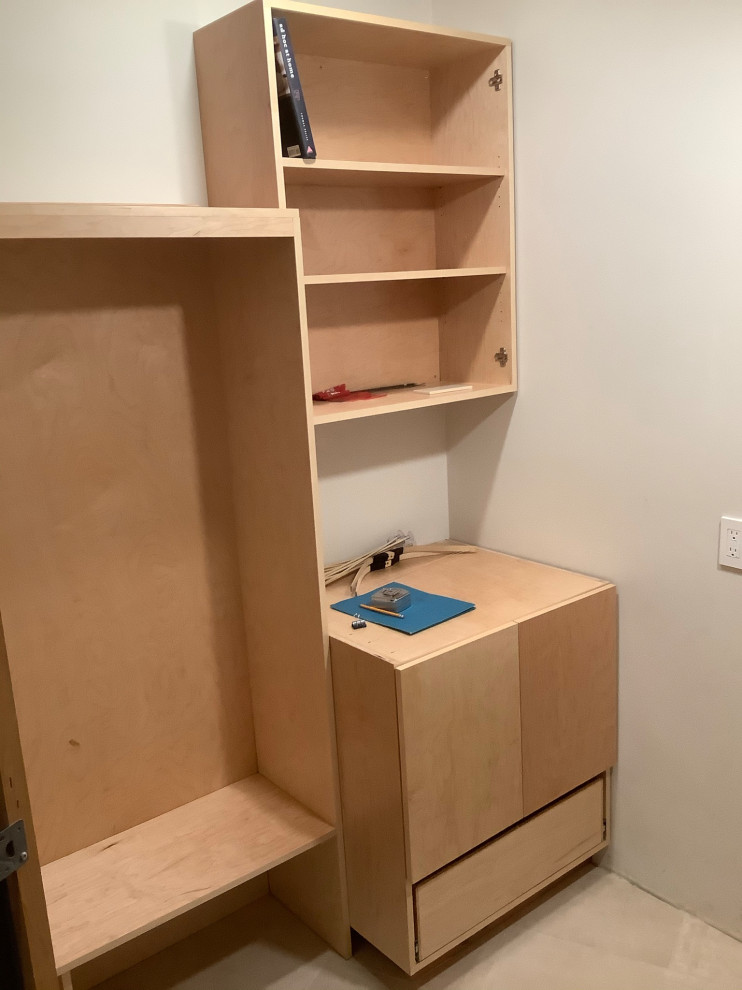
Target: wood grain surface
x=459 y=717
x=119 y=581
x=484 y=885
x=569 y=673
x=380 y=895
x=114 y=890
x=505 y=589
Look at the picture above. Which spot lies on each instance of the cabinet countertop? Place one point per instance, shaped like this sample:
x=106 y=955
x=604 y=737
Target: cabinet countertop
x=504 y=589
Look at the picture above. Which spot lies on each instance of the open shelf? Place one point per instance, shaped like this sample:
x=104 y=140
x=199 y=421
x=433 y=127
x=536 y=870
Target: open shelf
x=110 y=892
x=319 y=172
x=398 y=276
x=336 y=412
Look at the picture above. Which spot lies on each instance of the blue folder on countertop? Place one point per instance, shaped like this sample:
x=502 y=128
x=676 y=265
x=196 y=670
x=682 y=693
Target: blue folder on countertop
x=425 y=610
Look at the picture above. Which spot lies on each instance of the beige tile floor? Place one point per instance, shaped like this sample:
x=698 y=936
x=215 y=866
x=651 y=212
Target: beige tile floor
x=597 y=933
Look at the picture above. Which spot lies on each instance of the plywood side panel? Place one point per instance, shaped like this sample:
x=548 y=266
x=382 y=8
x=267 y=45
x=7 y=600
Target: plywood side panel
x=369 y=334
x=263 y=354
x=118 y=577
x=461 y=749
x=475 y=324
x=469 y=116
x=313 y=887
x=473 y=225
x=25 y=887
x=361 y=111
x=239 y=109
x=373 y=229
x=380 y=896
x=568 y=671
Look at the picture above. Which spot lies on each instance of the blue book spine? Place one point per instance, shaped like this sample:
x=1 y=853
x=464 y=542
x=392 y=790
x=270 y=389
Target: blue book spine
x=296 y=138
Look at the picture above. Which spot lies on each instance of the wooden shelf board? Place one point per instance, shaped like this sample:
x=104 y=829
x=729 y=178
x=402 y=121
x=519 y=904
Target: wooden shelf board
x=336 y=412
x=318 y=172
x=102 y=220
x=386 y=40
x=398 y=276
x=110 y=892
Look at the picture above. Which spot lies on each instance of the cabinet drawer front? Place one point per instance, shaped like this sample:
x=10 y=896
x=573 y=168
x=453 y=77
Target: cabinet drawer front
x=460 y=747
x=493 y=879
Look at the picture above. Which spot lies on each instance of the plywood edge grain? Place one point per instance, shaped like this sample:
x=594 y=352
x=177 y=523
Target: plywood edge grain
x=396 y=276
x=300 y=171
x=603 y=586
x=83 y=220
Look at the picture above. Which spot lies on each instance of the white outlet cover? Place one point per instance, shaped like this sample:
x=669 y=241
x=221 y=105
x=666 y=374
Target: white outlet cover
x=730 y=542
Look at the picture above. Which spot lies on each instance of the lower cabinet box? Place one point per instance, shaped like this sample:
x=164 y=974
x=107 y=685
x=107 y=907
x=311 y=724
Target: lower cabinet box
x=472 y=757
x=486 y=883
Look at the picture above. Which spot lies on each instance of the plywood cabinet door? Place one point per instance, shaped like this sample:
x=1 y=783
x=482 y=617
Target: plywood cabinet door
x=459 y=724
x=568 y=683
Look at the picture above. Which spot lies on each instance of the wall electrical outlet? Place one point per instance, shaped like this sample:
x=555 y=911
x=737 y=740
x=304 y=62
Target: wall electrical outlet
x=730 y=542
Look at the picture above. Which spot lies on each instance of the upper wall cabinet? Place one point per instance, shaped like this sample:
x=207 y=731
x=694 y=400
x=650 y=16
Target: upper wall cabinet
x=407 y=211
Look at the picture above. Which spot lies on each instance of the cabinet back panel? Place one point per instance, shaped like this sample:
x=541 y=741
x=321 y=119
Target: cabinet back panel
x=379 y=333
x=119 y=585
x=360 y=111
x=382 y=229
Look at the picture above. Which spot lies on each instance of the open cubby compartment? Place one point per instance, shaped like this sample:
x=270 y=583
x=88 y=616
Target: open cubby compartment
x=379 y=90
x=426 y=331
x=174 y=726
x=385 y=228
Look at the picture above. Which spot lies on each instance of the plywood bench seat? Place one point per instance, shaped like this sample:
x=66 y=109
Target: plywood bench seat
x=110 y=892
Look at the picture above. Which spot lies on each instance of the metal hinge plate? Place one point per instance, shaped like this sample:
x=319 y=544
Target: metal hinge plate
x=13 y=849
x=502 y=357
x=496 y=80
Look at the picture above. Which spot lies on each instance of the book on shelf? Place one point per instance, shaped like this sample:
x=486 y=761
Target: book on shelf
x=296 y=134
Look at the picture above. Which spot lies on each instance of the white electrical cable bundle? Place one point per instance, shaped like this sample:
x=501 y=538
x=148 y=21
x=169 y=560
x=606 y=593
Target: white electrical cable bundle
x=403 y=543
x=333 y=572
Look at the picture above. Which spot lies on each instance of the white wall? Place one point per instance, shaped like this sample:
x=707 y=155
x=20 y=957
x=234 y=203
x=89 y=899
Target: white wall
x=98 y=103
x=625 y=444
x=398 y=469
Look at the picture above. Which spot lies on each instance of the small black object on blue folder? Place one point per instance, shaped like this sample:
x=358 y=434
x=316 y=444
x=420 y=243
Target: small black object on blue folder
x=425 y=610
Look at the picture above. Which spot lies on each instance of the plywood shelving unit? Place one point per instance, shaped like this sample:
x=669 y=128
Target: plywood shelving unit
x=175 y=727
x=412 y=186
